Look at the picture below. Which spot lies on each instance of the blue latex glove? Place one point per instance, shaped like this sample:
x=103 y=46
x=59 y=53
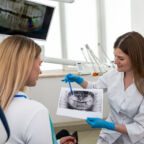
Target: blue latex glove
x=100 y=123
x=73 y=78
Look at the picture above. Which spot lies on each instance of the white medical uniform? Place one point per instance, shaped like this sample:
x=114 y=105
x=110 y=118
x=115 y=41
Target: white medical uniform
x=28 y=121
x=126 y=108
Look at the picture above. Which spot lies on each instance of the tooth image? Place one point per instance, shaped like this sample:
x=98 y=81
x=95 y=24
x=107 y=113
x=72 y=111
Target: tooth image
x=18 y=14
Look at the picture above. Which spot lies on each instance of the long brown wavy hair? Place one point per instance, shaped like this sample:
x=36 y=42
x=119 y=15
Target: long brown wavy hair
x=132 y=44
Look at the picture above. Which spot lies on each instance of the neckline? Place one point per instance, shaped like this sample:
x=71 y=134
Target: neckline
x=124 y=84
x=20 y=94
x=24 y=96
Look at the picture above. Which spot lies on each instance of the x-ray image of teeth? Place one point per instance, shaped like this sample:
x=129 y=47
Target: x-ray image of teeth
x=81 y=104
x=81 y=100
x=26 y=18
x=18 y=14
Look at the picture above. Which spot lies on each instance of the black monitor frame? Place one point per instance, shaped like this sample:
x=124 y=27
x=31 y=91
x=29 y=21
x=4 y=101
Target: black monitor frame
x=38 y=33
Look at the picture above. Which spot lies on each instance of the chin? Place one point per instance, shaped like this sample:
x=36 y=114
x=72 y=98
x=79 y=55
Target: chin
x=119 y=70
x=32 y=84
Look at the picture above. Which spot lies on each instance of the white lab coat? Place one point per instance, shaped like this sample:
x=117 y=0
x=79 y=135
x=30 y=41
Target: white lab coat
x=126 y=108
x=29 y=122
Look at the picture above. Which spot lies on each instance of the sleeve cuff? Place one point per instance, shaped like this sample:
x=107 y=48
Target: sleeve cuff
x=135 y=133
x=58 y=141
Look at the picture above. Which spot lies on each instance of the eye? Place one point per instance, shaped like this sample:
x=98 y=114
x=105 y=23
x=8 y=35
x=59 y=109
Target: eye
x=121 y=59
x=40 y=63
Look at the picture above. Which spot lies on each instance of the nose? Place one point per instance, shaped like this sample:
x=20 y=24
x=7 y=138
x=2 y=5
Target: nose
x=40 y=72
x=116 y=61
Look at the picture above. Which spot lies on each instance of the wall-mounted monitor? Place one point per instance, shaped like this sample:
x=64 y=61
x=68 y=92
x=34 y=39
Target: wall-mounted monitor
x=26 y=18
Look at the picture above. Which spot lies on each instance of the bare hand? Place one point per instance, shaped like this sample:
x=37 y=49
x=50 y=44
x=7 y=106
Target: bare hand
x=68 y=140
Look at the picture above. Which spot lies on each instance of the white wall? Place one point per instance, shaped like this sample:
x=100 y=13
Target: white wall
x=137 y=11
x=47 y=92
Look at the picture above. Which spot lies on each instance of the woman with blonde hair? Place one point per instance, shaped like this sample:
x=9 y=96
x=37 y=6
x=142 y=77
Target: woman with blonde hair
x=29 y=120
x=125 y=91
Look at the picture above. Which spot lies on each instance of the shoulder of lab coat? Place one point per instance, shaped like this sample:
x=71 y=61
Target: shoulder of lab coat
x=103 y=81
x=27 y=119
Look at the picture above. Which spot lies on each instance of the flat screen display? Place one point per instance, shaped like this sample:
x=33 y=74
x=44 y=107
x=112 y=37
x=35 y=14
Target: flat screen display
x=26 y=18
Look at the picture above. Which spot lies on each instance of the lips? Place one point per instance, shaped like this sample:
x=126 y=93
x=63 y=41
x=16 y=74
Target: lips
x=16 y=15
x=119 y=66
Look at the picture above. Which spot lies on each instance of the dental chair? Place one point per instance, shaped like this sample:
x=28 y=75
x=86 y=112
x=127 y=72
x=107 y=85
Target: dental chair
x=4 y=128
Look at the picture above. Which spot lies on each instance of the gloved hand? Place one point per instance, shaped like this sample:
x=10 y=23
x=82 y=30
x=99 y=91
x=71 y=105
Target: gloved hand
x=73 y=78
x=100 y=123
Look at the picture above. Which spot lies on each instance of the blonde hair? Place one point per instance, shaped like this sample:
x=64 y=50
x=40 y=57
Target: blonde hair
x=17 y=56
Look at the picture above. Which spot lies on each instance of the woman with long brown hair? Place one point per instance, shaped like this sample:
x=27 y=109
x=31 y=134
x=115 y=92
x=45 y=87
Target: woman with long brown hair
x=125 y=91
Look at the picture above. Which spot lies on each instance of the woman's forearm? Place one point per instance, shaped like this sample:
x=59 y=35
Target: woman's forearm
x=84 y=84
x=121 y=128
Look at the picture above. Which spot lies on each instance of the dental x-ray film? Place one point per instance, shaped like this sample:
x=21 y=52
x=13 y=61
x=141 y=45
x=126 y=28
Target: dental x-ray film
x=81 y=104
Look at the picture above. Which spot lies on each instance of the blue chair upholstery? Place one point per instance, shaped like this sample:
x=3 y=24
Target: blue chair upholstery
x=4 y=128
